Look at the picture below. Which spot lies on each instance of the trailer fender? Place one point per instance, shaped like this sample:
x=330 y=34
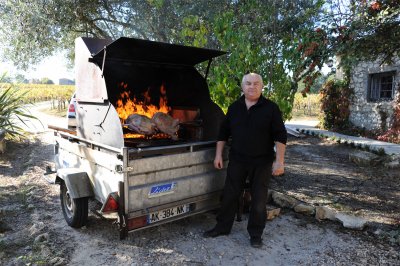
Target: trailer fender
x=77 y=182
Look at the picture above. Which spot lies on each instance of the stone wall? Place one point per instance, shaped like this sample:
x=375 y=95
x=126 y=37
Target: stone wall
x=367 y=114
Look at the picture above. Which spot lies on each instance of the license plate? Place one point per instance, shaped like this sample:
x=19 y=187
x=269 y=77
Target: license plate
x=167 y=213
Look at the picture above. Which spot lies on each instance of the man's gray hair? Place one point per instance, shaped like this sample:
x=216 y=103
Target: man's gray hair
x=252 y=74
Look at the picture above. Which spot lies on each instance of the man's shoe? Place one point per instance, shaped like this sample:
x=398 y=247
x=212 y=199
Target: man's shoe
x=256 y=242
x=214 y=233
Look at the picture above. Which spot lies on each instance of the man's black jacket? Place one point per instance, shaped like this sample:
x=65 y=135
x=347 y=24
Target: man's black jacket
x=253 y=131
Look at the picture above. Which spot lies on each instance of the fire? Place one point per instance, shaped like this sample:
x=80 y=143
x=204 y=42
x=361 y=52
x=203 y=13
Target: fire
x=140 y=136
x=127 y=106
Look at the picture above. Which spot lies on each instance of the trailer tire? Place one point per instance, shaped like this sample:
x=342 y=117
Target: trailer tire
x=75 y=211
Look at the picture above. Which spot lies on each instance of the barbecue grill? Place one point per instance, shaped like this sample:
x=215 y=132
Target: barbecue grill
x=110 y=75
x=143 y=180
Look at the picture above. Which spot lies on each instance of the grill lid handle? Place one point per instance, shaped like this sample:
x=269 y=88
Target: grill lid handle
x=104 y=60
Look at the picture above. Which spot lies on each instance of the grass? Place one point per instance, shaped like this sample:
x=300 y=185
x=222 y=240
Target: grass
x=22 y=194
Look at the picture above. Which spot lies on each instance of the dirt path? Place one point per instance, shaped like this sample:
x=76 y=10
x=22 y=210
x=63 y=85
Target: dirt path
x=33 y=230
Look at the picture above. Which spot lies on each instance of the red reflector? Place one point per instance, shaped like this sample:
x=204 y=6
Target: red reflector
x=137 y=222
x=71 y=108
x=111 y=205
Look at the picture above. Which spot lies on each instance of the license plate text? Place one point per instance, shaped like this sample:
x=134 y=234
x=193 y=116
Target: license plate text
x=167 y=213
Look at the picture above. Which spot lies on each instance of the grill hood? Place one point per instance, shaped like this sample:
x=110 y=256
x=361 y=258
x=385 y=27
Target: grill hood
x=136 y=50
x=94 y=58
x=102 y=64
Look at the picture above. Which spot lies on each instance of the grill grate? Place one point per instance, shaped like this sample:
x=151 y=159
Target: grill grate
x=145 y=143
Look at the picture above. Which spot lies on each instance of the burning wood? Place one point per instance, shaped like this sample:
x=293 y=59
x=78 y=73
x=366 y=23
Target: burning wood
x=147 y=137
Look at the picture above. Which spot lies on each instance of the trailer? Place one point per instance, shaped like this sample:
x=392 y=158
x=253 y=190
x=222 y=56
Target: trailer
x=142 y=180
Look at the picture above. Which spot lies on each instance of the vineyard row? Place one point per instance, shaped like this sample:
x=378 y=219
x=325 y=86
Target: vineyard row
x=41 y=92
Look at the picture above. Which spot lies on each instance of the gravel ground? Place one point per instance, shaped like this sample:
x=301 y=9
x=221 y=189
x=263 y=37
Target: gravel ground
x=33 y=230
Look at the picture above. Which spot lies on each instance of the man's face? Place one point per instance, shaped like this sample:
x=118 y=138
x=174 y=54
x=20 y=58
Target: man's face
x=252 y=87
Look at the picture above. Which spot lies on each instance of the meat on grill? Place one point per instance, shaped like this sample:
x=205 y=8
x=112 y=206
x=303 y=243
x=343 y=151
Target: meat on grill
x=141 y=124
x=166 y=124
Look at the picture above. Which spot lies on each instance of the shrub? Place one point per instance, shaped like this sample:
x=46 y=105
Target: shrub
x=335 y=102
x=380 y=151
x=393 y=134
x=12 y=111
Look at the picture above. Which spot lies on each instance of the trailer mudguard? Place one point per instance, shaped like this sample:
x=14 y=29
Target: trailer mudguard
x=77 y=182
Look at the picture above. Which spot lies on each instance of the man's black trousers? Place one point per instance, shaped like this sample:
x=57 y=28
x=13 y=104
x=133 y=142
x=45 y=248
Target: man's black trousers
x=259 y=176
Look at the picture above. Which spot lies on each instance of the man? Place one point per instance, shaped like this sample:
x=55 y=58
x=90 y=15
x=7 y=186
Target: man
x=255 y=125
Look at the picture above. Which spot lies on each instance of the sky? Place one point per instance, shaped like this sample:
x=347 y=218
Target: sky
x=54 y=68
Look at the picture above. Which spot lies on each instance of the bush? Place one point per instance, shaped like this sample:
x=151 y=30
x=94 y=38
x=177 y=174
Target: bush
x=393 y=134
x=11 y=110
x=335 y=102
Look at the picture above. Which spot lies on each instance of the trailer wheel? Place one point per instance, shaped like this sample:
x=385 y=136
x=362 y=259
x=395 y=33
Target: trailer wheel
x=75 y=211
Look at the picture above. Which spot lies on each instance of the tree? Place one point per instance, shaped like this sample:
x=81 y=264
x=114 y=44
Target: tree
x=32 y=30
x=317 y=85
x=263 y=36
x=46 y=81
x=35 y=81
x=363 y=30
x=20 y=78
x=260 y=35
x=354 y=30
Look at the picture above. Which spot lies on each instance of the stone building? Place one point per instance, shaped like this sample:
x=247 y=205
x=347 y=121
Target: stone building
x=375 y=90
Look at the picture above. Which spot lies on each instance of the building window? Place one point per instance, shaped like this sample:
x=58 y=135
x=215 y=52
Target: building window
x=381 y=86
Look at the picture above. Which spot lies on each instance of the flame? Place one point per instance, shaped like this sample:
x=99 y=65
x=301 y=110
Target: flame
x=133 y=136
x=141 y=136
x=127 y=106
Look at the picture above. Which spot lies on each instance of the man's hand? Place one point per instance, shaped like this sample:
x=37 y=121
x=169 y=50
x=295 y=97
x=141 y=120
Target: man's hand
x=278 y=169
x=218 y=162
